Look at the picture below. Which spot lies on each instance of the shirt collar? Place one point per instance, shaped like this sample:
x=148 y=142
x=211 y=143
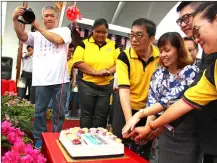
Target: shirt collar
x=155 y=52
x=90 y=39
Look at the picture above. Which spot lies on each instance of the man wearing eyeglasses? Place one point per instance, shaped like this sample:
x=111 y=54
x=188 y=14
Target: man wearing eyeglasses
x=134 y=70
x=206 y=119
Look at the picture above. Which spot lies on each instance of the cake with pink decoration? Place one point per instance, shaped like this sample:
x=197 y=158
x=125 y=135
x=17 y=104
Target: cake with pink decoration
x=93 y=142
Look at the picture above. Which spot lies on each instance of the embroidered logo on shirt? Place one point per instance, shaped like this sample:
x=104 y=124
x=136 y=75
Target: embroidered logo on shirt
x=109 y=49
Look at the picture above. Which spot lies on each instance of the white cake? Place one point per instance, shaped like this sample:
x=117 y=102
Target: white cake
x=94 y=142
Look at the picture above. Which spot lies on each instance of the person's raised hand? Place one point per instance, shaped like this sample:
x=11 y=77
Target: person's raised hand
x=18 y=12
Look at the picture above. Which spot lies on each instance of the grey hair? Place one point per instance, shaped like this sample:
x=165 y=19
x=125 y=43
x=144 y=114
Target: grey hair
x=49 y=8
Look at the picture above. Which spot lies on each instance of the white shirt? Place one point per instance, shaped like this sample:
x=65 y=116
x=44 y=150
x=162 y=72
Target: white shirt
x=27 y=63
x=49 y=60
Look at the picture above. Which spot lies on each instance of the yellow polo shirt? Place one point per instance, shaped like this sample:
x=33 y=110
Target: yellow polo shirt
x=97 y=57
x=134 y=73
x=206 y=89
x=70 y=63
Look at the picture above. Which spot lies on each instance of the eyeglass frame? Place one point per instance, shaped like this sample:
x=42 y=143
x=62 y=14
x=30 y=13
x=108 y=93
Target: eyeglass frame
x=195 y=33
x=180 y=20
x=138 y=37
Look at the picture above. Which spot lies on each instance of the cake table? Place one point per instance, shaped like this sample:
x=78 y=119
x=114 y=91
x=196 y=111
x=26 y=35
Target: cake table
x=53 y=151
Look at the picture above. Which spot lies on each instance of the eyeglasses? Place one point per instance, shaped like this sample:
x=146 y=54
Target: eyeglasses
x=138 y=36
x=185 y=18
x=195 y=31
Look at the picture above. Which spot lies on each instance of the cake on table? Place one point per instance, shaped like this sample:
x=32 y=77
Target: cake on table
x=93 y=142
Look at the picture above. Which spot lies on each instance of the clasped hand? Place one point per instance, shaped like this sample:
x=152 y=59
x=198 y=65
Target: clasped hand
x=141 y=135
x=138 y=134
x=102 y=73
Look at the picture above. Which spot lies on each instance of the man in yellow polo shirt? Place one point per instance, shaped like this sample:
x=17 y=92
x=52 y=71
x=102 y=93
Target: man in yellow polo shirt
x=135 y=67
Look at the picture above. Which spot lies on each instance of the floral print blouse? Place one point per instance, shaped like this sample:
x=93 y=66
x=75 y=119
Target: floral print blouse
x=166 y=88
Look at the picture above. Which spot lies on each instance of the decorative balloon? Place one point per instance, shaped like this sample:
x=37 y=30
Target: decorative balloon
x=73 y=14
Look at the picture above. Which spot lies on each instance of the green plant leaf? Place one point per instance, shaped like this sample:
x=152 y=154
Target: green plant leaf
x=25 y=124
x=3 y=137
x=27 y=140
x=6 y=145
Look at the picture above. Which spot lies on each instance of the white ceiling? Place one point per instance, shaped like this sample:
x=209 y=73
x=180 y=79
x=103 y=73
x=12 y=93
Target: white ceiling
x=100 y=9
x=130 y=11
x=155 y=11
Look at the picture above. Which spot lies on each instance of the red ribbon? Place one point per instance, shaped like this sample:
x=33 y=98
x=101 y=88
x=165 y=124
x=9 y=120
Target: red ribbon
x=73 y=14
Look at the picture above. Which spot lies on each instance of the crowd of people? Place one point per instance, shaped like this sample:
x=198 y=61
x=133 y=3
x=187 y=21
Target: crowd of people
x=160 y=92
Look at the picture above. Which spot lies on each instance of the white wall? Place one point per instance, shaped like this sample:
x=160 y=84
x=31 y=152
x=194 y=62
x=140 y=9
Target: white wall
x=3 y=9
x=10 y=41
x=10 y=46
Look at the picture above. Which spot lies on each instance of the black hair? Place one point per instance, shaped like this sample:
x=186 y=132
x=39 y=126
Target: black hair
x=71 y=45
x=99 y=22
x=190 y=39
x=148 y=24
x=183 y=4
x=29 y=47
x=208 y=10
